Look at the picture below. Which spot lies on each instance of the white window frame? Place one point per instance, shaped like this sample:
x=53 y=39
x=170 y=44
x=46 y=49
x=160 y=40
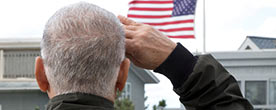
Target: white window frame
x=126 y=93
x=0 y=107
x=268 y=85
x=130 y=90
x=1 y=64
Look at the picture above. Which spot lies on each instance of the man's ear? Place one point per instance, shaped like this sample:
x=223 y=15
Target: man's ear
x=40 y=75
x=123 y=73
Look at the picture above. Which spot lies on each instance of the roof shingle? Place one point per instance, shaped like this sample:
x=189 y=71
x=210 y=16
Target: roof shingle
x=264 y=42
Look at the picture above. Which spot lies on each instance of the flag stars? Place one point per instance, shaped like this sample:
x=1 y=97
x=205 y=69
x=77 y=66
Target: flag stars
x=184 y=7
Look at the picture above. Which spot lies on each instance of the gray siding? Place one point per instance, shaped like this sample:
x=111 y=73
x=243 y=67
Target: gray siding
x=253 y=72
x=137 y=86
x=23 y=100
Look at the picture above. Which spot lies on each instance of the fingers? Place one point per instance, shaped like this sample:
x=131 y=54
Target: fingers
x=127 y=21
x=129 y=34
x=130 y=27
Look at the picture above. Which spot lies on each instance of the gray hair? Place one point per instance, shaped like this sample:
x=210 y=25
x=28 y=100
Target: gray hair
x=82 y=48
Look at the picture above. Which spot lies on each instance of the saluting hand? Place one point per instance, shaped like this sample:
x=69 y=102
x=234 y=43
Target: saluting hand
x=146 y=47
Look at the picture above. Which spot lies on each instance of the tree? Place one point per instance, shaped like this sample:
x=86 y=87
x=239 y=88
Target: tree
x=162 y=103
x=146 y=106
x=123 y=103
x=154 y=107
x=37 y=108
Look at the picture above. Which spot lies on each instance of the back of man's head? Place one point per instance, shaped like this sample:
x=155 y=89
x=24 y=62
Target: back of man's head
x=82 y=49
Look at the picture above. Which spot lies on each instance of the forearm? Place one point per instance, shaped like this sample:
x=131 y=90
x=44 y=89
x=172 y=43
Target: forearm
x=178 y=66
x=210 y=86
x=205 y=83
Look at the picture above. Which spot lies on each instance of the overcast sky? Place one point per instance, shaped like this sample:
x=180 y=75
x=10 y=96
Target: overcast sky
x=228 y=22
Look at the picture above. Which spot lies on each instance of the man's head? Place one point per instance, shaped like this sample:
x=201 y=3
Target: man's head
x=83 y=50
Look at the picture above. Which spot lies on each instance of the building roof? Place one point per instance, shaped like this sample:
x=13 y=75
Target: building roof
x=263 y=42
x=145 y=75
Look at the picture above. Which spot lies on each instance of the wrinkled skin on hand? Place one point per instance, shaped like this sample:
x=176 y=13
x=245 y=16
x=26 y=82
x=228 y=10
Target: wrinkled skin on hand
x=146 y=47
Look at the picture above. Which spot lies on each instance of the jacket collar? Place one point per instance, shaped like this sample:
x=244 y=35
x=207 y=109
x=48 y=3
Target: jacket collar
x=74 y=101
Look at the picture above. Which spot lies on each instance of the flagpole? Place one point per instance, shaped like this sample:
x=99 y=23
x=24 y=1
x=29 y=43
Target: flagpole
x=204 y=28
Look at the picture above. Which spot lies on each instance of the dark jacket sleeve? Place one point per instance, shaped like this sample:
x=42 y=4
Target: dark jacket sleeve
x=205 y=86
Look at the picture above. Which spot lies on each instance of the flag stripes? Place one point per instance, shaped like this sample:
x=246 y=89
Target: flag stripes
x=150 y=9
x=158 y=13
x=152 y=2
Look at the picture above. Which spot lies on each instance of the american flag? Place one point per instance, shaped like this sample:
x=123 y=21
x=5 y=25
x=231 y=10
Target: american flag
x=173 y=17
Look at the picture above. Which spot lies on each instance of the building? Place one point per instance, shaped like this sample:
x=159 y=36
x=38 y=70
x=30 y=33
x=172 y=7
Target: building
x=19 y=90
x=254 y=66
x=258 y=43
x=256 y=74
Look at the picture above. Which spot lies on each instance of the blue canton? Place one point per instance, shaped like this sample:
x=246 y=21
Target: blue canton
x=184 y=7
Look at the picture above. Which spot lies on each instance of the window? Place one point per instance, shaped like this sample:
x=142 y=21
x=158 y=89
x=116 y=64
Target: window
x=261 y=93
x=256 y=92
x=247 y=48
x=19 y=63
x=126 y=93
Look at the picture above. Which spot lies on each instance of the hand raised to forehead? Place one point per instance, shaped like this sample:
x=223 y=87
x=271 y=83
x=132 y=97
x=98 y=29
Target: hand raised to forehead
x=146 y=47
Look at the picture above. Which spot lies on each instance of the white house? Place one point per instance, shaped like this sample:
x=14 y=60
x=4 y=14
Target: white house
x=254 y=66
